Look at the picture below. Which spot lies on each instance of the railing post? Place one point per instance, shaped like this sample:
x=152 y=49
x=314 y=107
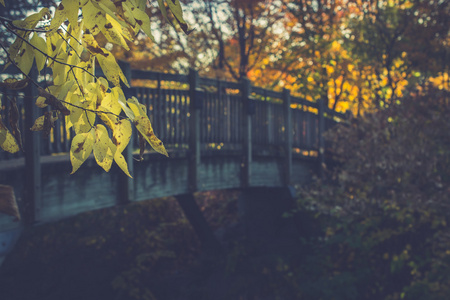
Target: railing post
x=288 y=136
x=194 y=130
x=32 y=148
x=126 y=186
x=321 y=116
x=246 y=133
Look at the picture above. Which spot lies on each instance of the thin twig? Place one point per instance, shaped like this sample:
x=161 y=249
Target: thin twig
x=48 y=56
x=10 y=23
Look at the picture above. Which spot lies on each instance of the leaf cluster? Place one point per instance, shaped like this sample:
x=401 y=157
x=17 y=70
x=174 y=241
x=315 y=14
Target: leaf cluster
x=96 y=109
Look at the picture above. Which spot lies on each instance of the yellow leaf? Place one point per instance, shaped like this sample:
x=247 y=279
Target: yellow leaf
x=113 y=32
x=54 y=43
x=101 y=144
x=40 y=102
x=31 y=21
x=39 y=123
x=7 y=140
x=110 y=102
x=177 y=11
x=39 y=43
x=94 y=19
x=82 y=145
x=107 y=117
x=59 y=17
x=111 y=69
x=71 y=7
x=122 y=163
x=144 y=126
x=60 y=70
x=122 y=134
x=86 y=119
x=2 y=2
x=143 y=21
x=137 y=108
x=24 y=58
x=110 y=154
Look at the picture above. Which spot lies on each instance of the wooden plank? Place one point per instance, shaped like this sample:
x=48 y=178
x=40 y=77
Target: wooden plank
x=321 y=138
x=266 y=93
x=150 y=75
x=194 y=130
x=246 y=131
x=287 y=111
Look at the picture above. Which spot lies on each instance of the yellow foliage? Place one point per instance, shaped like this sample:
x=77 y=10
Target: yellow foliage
x=72 y=53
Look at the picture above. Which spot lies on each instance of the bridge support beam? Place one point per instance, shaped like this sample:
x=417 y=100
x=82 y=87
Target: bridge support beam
x=261 y=209
x=32 y=148
x=198 y=222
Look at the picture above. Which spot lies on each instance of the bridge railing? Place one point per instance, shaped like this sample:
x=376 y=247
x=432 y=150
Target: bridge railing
x=277 y=119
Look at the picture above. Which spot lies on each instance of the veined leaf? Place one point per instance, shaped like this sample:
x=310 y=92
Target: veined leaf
x=82 y=145
x=144 y=126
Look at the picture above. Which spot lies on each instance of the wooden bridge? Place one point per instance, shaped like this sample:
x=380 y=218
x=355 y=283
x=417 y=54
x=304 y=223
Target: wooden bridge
x=219 y=135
